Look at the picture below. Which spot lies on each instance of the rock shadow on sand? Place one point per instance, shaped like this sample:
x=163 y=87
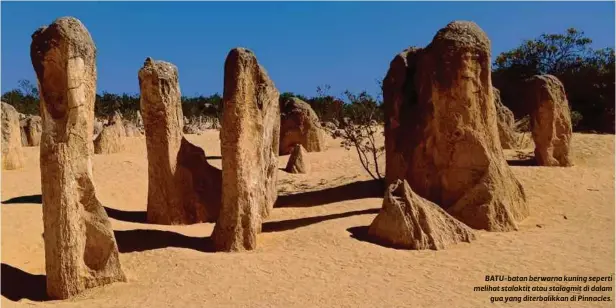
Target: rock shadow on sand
x=523 y=159
x=128 y=216
x=36 y=199
x=290 y=224
x=351 y=191
x=147 y=239
x=361 y=234
x=18 y=284
x=143 y=240
x=528 y=162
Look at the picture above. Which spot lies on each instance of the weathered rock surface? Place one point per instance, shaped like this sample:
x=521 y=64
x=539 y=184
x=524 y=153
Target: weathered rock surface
x=133 y=125
x=80 y=247
x=249 y=145
x=505 y=122
x=330 y=126
x=31 y=129
x=139 y=121
x=199 y=124
x=298 y=160
x=409 y=221
x=112 y=138
x=182 y=187
x=97 y=128
x=12 y=154
x=24 y=137
x=299 y=124
x=550 y=121
x=192 y=129
x=131 y=130
x=441 y=131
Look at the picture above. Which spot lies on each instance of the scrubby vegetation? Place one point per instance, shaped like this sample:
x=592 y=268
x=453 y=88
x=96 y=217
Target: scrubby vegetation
x=588 y=75
x=360 y=130
x=358 y=124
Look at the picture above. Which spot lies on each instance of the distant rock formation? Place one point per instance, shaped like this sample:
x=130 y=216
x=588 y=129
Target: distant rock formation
x=132 y=130
x=12 y=154
x=412 y=222
x=550 y=121
x=112 y=137
x=299 y=124
x=97 y=128
x=199 y=124
x=249 y=145
x=298 y=161
x=80 y=247
x=441 y=130
x=182 y=187
x=31 y=128
x=505 y=122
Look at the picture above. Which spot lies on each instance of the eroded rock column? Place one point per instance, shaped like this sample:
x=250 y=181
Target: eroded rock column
x=298 y=162
x=31 y=128
x=12 y=154
x=112 y=137
x=550 y=121
x=80 y=247
x=182 y=187
x=299 y=124
x=505 y=122
x=249 y=146
x=441 y=131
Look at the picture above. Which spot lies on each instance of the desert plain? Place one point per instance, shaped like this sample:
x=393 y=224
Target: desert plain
x=313 y=251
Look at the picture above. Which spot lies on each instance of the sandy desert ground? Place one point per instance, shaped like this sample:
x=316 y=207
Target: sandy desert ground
x=311 y=252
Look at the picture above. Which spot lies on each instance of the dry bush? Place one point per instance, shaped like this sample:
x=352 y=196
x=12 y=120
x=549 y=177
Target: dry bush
x=362 y=137
x=359 y=130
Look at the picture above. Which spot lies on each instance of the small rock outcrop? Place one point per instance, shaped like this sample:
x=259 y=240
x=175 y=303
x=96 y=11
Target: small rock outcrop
x=330 y=126
x=132 y=130
x=80 y=247
x=249 y=146
x=112 y=137
x=550 y=122
x=97 y=128
x=31 y=129
x=192 y=129
x=133 y=125
x=24 y=137
x=505 y=122
x=199 y=124
x=409 y=221
x=183 y=188
x=139 y=121
x=12 y=154
x=299 y=124
x=298 y=161
x=441 y=132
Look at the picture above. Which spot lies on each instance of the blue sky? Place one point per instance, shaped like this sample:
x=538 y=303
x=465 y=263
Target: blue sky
x=347 y=45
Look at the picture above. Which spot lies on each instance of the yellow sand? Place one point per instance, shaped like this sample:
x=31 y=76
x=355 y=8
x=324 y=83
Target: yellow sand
x=306 y=256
